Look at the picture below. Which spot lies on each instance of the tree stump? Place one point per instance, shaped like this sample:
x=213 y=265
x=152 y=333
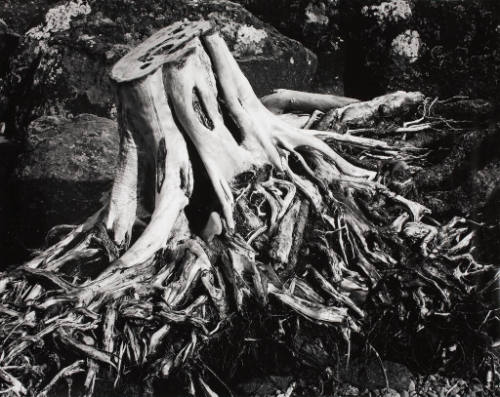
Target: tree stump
x=288 y=225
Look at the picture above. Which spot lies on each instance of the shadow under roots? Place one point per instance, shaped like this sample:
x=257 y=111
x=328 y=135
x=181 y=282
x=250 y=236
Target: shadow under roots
x=258 y=346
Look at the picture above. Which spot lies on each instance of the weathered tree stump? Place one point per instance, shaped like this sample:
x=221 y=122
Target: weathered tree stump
x=291 y=225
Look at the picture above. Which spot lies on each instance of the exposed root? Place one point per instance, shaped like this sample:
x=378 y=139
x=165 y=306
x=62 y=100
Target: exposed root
x=366 y=114
x=288 y=101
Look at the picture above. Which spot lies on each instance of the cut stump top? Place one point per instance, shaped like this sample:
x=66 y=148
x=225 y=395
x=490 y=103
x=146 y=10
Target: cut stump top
x=166 y=45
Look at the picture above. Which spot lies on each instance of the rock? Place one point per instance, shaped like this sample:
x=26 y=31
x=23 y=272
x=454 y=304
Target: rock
x=8 y=154
x=266 y=386
x=464 y=109
x=368 y=374
x=442 y=48
x=463 y=173
x=315 y=23
x=449 y=48
x=62 y=64
x=347 y=390
x=312 y=22
x=22 y=15
x=8 y=43
x=62 y=178
x=386 y=393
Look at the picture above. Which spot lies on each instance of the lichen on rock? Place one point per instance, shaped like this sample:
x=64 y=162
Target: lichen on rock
x=59 y=19
x=248 y=40
x=392 y=11
x=407 y=45
x=316 y=14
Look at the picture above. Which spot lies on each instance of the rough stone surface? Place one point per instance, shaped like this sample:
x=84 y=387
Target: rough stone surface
x=268 y=386
x=316 y=24
x=463 y=173
x=62 y=64
x=441 y=48
x=310 y=21
x=368 y=374
x=22 y=15
x=449 y=48
x=8 y=43
x=62 y=177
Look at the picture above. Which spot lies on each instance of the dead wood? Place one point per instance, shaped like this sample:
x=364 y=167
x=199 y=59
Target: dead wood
x=293 y=227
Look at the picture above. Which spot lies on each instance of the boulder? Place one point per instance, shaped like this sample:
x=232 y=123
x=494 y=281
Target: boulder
x=21 y=15
x=61 y=179
x=463 y=172
x=266 y=386
x=464 y=179
x=8 y=43
x=368 y=374
x=316 y=24
x=312 y=22
x=442 y=48
x=62 y=64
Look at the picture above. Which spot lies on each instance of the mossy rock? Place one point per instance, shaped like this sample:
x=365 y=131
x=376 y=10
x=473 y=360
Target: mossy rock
x=62 y=178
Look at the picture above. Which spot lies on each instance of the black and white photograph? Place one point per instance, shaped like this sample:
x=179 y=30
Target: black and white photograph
x=250 y=198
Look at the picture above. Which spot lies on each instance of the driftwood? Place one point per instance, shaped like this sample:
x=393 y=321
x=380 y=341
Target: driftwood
x=287 y=225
